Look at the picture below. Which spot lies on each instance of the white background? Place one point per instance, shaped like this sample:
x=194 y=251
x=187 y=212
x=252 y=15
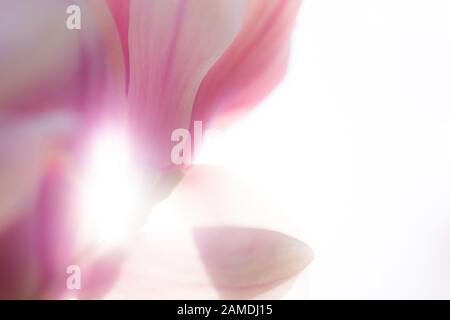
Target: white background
x=355 y=143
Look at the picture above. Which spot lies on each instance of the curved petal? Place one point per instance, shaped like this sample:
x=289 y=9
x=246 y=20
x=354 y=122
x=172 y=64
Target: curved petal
x=120 y=9
x=252 y=66
x=244 y=263
x=209 y=259
x=173 y=44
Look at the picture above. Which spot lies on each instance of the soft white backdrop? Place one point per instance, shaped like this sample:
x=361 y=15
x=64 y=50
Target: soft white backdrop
x=355 y=144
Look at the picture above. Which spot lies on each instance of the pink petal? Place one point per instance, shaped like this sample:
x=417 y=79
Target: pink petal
x=55 y=85
x=173 y=44
x=38 y=231
x=245 y=263
x=209 y=258
x=252 y=66
x=120 y=9
x=18 y=275
x=36 y=248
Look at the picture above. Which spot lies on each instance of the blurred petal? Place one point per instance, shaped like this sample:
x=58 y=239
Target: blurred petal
x=99 y=271
x=36 y=248
x=26 y=148
x=38 y=229
x=52 y=79
x=252 y=66
x=40 y=244
x=213 y=196
x=19 y=278
x=173 y=259
x=55 y=84
x=172 y=44
x=45 y=66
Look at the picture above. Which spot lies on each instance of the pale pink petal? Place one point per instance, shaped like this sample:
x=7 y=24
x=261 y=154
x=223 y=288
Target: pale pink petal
x=252 y=66
x=47 y=67
x=214 y=196
x=218 y=263
x=173 y=44
x=163 y=264
x=26 y=148
x=205 y=258
x=244 y=263
x=99 y=271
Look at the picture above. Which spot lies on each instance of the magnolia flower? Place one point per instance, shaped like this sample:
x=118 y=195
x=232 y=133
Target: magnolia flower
x=141 y=68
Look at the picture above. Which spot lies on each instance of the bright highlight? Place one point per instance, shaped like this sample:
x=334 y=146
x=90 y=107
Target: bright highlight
x=112 y=192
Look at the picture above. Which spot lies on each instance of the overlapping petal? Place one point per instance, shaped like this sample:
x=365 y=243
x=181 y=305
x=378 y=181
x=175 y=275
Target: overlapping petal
x=173 y=44
x=205 y=258
x=56 y=84
x=252 y=66
x=198 y=60
x=156 y=66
